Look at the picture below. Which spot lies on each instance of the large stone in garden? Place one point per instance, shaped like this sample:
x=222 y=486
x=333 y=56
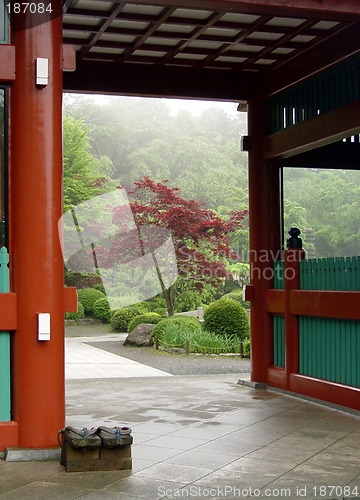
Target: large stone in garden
x=140 y=336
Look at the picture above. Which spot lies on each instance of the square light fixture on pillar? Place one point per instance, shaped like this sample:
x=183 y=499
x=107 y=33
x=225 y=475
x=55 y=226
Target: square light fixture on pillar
x=42 y=71
x=246 y=143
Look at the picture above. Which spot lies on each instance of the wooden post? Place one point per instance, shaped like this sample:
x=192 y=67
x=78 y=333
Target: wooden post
x=292 y=257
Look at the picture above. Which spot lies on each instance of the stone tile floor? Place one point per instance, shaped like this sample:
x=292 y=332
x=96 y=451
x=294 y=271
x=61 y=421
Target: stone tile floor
x=199 y=437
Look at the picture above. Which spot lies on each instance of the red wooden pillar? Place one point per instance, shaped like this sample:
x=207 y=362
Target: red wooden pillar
x=265 y=239
x=292 y=258
x=35 y=208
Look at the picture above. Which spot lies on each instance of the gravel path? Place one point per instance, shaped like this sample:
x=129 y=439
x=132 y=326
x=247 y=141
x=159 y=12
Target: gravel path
x=173 y=363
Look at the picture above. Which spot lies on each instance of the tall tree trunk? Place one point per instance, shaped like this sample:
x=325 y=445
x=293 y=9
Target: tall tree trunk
x=168 y=293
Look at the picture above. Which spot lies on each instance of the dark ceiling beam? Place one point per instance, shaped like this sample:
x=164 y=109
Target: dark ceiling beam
x=187 y=50
x=335 y=10
x=324 y=55
x=102 y=28
x=224 y=25
x=342 y=155
x=320 y=131
x=168 y=83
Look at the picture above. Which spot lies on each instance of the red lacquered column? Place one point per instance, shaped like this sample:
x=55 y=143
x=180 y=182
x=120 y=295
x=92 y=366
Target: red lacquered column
x=35 y=208
x=265 y=240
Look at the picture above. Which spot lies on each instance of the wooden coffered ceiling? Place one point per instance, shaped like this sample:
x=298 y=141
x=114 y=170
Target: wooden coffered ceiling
x=230 y=49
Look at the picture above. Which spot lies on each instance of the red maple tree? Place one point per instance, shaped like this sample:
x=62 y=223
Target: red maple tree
x=199 y=236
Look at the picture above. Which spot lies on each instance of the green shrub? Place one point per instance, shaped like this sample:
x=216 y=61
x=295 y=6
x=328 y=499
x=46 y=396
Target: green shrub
x=227 y=317
x=238 y=296
x=88 y=297
x=226 y=287
x=76 y=315
x=102 y=309
x=187 y=324
x=157 y=301
x=160 y=310
x=188 y=301
x=121 y=318
x=149 y=318
x=100 y=287
x=246 y=347
x=146 y=306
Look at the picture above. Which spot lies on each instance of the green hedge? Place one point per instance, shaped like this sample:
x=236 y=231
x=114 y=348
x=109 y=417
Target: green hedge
x=148 y=318
x=101 y=309
x=227 y=317
x=88 y=297
x=121 y=318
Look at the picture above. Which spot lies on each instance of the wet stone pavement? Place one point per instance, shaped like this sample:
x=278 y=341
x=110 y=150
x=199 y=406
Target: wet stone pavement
x=195 y=436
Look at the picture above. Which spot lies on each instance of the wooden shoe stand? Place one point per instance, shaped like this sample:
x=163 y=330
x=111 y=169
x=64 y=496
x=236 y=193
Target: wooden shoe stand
x=97 y=459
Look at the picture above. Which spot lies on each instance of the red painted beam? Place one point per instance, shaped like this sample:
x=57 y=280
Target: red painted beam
x=70 y=300
x=326 y=304
x=68 y=58
x=275 y=301
x=319 y=303
x=8 y=306
x=326 y=391
x=7 y=66
x=277 y=378
x=320 y=131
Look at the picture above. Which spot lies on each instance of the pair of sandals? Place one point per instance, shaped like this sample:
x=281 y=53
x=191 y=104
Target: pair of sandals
x=107 y=437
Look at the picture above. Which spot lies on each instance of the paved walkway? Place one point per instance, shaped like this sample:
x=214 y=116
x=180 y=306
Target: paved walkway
x=86 y=362
x=196 y=437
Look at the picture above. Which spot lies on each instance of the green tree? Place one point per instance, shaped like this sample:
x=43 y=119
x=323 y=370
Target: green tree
x=82 y=179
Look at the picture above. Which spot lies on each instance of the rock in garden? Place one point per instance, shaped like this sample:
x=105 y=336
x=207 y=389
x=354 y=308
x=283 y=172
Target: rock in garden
x=140 y=336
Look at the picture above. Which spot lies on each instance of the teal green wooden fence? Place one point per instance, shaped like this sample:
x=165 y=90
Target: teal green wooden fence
x=336 y=273
x=5 y=397
x=330 y=348
x=279 y=321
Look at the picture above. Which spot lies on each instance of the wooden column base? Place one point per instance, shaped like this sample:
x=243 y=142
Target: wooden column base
x=97 y=459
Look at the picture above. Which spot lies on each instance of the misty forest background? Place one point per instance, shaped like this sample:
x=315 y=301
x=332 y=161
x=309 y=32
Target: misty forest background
x=119 y=140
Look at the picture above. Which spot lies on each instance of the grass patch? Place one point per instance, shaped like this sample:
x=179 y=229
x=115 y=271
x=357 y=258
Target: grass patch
x=178 y=336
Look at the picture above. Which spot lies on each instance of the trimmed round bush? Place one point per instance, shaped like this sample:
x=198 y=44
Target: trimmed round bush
x=76 y=315
x=148 y=318
x=121 y=318
x=88 y=297
x=227 y=317
x=192 y=325
x=101 y=309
